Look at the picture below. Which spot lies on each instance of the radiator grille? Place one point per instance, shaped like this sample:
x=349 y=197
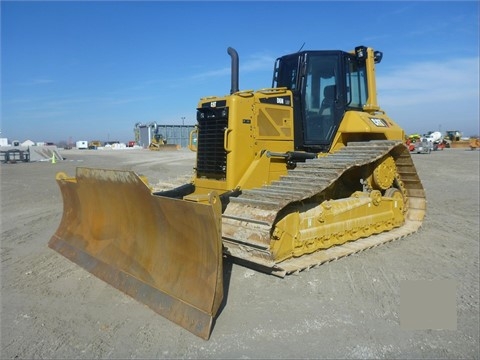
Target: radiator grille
x=211 y=154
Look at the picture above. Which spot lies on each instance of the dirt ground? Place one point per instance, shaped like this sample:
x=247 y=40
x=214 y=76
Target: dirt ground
x=350 y=308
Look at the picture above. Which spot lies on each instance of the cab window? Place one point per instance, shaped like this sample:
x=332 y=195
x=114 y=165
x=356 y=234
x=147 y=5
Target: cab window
x=356 y=82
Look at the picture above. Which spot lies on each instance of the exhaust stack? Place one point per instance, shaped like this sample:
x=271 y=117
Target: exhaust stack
x=233 y=53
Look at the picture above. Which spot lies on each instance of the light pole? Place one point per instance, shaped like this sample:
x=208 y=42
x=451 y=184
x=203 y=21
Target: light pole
x=183 y=120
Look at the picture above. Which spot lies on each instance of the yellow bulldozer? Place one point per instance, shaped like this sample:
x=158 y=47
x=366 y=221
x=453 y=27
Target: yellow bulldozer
x=287 y=178
x=159 y=142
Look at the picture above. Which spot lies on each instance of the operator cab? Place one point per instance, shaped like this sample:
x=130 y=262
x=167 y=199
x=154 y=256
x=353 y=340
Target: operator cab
x=325 y=84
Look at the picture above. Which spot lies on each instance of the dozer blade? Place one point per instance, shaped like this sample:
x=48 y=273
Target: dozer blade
x=164 y=147
x=164 y=252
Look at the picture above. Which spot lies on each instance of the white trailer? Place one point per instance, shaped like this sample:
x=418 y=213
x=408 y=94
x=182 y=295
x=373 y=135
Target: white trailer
x=82 y=144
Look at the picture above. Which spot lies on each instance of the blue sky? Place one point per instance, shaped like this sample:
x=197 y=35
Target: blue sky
x=91 y=70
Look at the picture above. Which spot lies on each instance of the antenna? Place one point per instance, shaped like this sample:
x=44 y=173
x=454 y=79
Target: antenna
x=301 y=47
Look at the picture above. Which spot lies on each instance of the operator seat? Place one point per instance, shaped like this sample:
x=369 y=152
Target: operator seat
x=327 y=112
x=328 y=101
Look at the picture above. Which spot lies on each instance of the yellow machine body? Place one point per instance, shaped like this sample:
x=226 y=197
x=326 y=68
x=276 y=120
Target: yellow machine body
x=263 y=192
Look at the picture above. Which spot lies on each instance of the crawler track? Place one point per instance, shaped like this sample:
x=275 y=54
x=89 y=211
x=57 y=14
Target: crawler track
x=249 y=219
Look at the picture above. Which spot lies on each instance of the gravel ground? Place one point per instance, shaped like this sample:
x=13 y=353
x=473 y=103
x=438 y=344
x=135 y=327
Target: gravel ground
x=350 y=308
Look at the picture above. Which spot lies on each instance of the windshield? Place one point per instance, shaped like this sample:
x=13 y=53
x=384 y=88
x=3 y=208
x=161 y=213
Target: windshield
x=321 y=82
x=320 y=97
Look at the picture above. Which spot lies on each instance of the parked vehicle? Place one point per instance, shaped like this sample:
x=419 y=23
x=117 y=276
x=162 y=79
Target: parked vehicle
x=423 y=146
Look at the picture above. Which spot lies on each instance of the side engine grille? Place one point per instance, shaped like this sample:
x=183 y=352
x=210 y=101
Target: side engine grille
x=211 y=154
